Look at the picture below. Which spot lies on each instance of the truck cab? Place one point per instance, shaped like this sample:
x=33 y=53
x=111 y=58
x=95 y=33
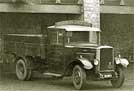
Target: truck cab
x=66 y=40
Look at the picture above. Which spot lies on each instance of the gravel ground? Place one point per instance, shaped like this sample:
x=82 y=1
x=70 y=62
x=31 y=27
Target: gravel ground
x=8 y=82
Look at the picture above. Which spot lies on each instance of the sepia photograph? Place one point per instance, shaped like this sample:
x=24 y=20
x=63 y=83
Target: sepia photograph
x=66 y=45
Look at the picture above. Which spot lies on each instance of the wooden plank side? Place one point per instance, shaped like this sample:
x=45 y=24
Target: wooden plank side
x=22 y=46
x=24 y=8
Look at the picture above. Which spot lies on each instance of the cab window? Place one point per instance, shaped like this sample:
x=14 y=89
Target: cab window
x=82 y=37
x=56 y=37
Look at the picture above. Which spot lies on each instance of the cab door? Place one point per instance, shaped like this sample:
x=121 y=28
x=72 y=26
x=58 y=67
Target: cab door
x=55 y=51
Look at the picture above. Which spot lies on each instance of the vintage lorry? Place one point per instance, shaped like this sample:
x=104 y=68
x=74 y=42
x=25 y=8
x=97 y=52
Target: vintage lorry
x=68 y=48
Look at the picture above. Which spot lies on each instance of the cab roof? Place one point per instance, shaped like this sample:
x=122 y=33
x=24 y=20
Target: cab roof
x=74 y=28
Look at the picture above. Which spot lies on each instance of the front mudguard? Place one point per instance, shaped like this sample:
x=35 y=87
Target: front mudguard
x=122 y=61
x=86 y=63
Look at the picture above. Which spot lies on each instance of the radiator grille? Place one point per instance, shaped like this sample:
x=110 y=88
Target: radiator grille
x=106 y=59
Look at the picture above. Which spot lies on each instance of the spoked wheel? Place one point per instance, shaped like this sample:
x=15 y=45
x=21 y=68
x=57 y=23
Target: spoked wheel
x=79 y=77
x=117 y=83
x=22 y=72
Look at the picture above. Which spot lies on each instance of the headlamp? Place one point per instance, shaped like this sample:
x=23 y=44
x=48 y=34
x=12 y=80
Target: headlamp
x=96 y=62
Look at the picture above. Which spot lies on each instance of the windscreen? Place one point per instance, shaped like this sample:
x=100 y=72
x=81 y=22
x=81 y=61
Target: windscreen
x=82 y=37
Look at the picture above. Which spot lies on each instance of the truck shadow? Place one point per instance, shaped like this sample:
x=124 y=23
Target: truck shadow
x=9 y=79
x=52 y=83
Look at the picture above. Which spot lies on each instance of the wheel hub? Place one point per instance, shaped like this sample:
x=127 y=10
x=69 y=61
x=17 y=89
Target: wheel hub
x=77 y=77
x=21 y=69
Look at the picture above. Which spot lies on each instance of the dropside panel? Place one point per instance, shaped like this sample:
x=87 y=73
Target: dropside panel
x=22 y=44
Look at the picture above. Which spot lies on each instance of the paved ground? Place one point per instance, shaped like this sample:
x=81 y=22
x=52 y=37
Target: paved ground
x=8 y=82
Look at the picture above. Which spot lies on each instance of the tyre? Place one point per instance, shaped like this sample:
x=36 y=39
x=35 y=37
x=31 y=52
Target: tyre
x=22 y=72
x=79 y=77
x=117 y=83
x=29 y=76
x=29 y=62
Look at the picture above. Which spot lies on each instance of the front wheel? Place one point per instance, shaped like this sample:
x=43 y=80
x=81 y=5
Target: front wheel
x=117 y=83
x=79 y=77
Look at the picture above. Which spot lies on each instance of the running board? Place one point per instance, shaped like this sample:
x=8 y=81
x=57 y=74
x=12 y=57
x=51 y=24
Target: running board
x=52 y=74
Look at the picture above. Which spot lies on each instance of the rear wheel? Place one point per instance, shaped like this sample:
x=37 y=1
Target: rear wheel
x=29 y=61
x=120 y=80
x=22 y=71
x=79 y=77
x=29 y=76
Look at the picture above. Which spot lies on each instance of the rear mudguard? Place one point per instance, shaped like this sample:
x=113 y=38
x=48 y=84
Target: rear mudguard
x=86 y=63
x=122 y=61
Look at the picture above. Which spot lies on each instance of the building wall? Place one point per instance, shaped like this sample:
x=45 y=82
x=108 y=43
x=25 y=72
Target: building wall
x=118 y=31
x=30 y=23
x=91 y=12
